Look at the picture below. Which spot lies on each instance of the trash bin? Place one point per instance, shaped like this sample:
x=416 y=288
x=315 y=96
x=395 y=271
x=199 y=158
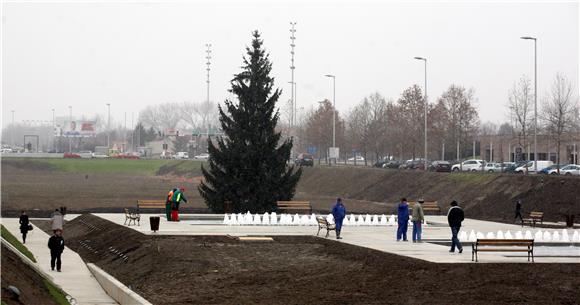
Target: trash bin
x=154 y=222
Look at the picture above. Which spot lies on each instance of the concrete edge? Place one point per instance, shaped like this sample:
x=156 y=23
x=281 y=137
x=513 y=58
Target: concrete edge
x=115 y=289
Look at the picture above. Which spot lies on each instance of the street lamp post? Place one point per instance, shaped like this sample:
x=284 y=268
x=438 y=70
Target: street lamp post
x=53 y=134
x=535 y=99
x=333 y=109
x=70 y=125
x=425 y=60
x=108 y=125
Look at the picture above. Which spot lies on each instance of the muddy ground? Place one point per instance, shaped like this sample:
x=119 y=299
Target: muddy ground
x=304 y=270
x=484 y=196
x=16 y=273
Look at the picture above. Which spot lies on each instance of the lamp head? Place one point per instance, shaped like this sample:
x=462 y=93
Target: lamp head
x=528 y=38
x=420 y=58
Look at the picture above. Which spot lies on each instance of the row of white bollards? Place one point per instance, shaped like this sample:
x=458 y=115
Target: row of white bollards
x=270 y=219
x=538 y=236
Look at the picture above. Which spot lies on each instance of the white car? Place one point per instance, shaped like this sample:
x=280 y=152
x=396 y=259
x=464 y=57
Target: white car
x=567 y=170
x=493 y=167
x=358 y=159
x=471 y=165
x=530 y=165
x=202 y=157
x=86 y=154
x=181 y=155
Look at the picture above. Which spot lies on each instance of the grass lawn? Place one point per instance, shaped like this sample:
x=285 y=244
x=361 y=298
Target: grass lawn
x=58 y=295
x=16 y=243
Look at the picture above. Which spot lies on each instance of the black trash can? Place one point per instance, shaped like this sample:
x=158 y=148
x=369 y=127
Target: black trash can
x=154 y=222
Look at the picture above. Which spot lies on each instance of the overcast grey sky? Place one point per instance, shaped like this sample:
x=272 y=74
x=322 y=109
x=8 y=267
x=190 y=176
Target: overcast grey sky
x=134 y=54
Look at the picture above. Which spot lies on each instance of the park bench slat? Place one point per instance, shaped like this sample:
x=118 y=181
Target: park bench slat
x=324 y=224
x=295 y=206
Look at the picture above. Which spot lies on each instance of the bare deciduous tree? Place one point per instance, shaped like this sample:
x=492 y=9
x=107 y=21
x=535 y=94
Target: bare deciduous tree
x=520 y=103
x=161 y=116
x=559 y=109
x=367 y=125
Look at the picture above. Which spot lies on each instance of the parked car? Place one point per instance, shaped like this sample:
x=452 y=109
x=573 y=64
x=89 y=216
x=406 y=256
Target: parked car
x=201 y=157
x=511 y=166
x=471 y=165
x=381 y=163
x=567 y=170
x=180 y=155
x=304 y=160
x=393 y=164
x=71 y=155
x=493 y=167
x=86 y=154
x=358 y=159
x=531 y=166
x=440 y=166
x=548 y=169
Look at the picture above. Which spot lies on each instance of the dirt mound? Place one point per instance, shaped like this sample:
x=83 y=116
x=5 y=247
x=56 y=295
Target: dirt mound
x=31 y=285
x=484 y=196
x=303 y=270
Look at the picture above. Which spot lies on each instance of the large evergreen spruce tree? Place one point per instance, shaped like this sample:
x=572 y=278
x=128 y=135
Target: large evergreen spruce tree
x=247 y=166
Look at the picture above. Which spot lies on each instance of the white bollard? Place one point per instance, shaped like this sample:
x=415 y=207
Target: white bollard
x=257 y=220
x=368 y=221
x=392 y=220
x=266 y=219
x=519 y=235
x=241 y=219
x=463 y=236
x=330 y=218
x=345 y=221
x=273 y=218
x=296 y=220
x=490 y=235
x=576 y=237
x=547 y=236
x=508 y=235
x=480 y=235
x=499 y=235
x=304 y=220
x=226 y=219
x=472 y=236
x=538 y=236
x=384 y=221
x=528 y=235
x=565 y=237
x=555 y=236
x=313 y=221
x=352 y=220
x=375 y=221
x=360 y=221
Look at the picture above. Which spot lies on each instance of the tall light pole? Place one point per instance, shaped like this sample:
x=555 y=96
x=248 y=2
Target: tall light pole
x=292 y=67
x=333 y=108
x=53 y=135
x=208 y=63
x=12 y=130
x=425 y=60
x=108 y=125
x=535 y=99
x=69 y=125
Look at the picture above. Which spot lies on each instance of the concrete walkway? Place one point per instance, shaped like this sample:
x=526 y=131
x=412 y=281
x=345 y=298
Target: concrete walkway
x=75 y=278
x=380 y=238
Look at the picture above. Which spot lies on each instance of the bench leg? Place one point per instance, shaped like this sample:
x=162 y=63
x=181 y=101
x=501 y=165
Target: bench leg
x=125 y=220
x=472 y=251
x=327 y=232
x=318 y=231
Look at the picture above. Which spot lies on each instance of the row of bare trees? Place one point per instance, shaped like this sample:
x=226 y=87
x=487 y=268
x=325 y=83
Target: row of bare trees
x=377 y=127
x=187 y=116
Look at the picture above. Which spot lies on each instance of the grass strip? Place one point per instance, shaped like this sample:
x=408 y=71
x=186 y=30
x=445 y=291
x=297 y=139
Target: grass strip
x=17 y=244
x=58 y=295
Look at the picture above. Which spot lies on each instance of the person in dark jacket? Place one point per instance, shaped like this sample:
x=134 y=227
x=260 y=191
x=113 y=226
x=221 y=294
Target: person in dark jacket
x=454 y=218
x=56 y=246
x=338 y=212
x=24 y=225
x=402 y=219
x=519 y=211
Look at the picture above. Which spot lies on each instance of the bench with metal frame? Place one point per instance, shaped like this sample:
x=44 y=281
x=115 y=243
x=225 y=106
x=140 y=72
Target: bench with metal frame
x=132 y=216
x=324 y=224
x=535 y=216
x=503 y=245
x=302 y=207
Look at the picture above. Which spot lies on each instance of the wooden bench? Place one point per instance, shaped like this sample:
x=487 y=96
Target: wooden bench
x=302 y=207
x=503 y=245
x=428 y=206
x=132 y=216
x=534 y=217
x=324 y=224
x=144 y=204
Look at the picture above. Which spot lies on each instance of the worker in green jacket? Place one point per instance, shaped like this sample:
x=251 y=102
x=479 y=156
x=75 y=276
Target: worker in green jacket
x=175 y=201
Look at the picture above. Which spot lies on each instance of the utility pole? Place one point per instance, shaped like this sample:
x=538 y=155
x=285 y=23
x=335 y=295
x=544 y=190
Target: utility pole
x=108 y=126
x=292 y=67
x=535 y=100
x=12 y=130
x=208 y=63
x=53 y=135
x=70 y=125
x=132 y=133
x=425 y=156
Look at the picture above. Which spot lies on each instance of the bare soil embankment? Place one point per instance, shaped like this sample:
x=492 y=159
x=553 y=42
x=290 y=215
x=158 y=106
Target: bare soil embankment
x=304 y=270
x=484 y=196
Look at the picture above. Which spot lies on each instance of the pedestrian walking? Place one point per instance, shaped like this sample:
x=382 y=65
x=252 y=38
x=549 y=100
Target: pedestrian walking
x=56 y=221
x=24 y=223
x=338 y=212
x=519 y=211
x=178 y=196
x=454 y=218
x=402 y=219
x=56 y=246
x=417 y=219
x=168 y=204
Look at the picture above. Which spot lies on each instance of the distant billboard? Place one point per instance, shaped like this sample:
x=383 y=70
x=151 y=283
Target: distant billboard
x=77 y=129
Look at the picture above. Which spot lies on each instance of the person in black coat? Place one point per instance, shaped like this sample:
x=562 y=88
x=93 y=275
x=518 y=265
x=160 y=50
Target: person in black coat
x=454 y=218
x=56 y=246
x=519 y=211
x=24 y=225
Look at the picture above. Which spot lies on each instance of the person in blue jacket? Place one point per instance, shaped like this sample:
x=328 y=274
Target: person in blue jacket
x=338 y=212
x=402 y=219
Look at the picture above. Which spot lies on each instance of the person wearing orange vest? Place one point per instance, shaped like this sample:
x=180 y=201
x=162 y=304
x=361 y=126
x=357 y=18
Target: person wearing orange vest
x=175 y=201
x=168 y=204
